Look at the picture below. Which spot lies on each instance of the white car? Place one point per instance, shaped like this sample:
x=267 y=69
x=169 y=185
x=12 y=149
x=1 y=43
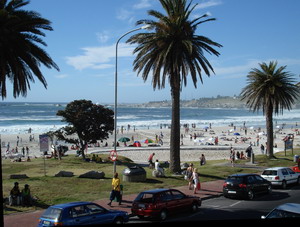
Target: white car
x=281 y=176
x=288 y=210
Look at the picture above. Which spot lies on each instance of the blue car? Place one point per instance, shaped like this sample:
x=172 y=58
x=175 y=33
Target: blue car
x=81 y=213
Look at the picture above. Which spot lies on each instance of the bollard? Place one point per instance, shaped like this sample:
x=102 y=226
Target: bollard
x=252 y=158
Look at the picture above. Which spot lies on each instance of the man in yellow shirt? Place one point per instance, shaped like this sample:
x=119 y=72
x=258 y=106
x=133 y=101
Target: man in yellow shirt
x=116 y=189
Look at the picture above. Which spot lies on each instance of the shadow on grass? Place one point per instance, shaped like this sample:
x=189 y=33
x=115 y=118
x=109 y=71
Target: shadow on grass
x=36 y=205
x=211 y=177
x=153 y=181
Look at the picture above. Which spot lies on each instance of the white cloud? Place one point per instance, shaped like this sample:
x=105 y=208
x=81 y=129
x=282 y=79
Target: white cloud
x=103 y=37
x=237 y=69
x=99 y=57
x=209 y=3
x=142 y=4
x=124 y=14
x=62 y=76
x=243 y=69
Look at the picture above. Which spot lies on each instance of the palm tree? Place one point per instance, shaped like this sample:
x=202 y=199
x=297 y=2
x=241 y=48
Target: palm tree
x=173 y=51
x=271 y=89
x=20 y=56
x=20 y=53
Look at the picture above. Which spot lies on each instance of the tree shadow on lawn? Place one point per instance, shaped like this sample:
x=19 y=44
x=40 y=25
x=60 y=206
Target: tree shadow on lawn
x=211 y=177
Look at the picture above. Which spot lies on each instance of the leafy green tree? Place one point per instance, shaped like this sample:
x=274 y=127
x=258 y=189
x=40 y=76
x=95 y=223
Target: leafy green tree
x=90 y=122
x=20 y=51
x=271 y=89
x=172 y=52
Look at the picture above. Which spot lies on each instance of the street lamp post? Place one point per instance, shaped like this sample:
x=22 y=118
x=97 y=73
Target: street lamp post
x=116 y=88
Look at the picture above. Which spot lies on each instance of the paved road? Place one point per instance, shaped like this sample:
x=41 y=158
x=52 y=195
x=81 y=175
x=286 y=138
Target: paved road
x=221 y=208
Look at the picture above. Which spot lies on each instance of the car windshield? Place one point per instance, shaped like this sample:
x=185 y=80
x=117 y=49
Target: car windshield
x=145 y=198
x=283 y=214
x=270 y=172
x=235 y=179
x=52 y=213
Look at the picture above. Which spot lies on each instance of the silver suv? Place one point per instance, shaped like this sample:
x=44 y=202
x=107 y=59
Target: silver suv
x=281 y=176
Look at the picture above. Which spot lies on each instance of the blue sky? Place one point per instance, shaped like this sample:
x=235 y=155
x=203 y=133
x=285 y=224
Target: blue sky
x=85 y=33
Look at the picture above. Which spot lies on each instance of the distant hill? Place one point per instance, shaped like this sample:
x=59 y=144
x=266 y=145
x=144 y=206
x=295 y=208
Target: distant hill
x=218 y=102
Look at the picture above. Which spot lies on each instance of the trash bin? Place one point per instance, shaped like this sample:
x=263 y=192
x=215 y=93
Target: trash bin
x=134 y=174
x=296 y=158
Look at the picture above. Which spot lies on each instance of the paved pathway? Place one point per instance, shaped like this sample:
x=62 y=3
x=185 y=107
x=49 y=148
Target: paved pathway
x=30 y=219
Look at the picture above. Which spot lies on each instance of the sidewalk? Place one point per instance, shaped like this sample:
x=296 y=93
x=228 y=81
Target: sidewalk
x=208 y=190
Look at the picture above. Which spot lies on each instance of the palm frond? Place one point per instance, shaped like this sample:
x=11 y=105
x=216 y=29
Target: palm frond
x=173 y=48
x=20 y=51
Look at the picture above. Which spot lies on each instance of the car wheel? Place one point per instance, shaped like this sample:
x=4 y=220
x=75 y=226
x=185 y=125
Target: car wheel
x=250 y=194
x=163 y=215
x=194 y=207
x=119 y=220
x=298 y=181
x=283 y=184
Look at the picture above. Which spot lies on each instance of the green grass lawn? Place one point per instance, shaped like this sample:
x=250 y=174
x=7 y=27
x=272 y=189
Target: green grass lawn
x=53 y=190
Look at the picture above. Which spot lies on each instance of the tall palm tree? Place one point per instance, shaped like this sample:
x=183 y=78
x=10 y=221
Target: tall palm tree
x=20 y=55
x=271 y=89
x=20 y=51
x=173 y=51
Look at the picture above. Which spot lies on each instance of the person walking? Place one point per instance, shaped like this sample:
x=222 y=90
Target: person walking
x=202 y=160
x=232 y=156
x=188 y=176
x=116 y=189
x=196 y=181
x=150 y=161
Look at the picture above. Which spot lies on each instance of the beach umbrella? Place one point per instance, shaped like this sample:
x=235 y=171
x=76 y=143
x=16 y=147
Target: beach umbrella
x=236 y=134
x=137 y=144
x=148 y=141
x=124 y=139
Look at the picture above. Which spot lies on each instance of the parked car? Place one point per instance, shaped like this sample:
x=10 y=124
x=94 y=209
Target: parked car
x=288 y=210
x=81 y=213
x=245 y=185
x=162 y=202
x=281 y=176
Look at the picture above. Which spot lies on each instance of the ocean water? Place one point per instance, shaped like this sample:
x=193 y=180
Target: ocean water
x=18 y=118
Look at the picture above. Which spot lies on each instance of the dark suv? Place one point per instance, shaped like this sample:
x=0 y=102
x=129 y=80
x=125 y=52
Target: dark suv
x=161 y=202
x=245 y=185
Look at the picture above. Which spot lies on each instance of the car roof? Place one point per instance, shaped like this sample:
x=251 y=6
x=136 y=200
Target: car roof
x=276 y=168
x=157 y=190
x=242 y=174
x=66 y=205
x=290 y=207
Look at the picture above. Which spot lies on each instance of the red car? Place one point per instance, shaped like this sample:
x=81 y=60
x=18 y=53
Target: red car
x=162 y=202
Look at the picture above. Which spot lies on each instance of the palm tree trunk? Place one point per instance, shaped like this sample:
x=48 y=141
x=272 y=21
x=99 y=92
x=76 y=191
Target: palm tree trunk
x=175 y=131
x=269 y=128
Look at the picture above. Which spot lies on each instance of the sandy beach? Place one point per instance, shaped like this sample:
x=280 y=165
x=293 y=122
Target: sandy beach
x=194 y=142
